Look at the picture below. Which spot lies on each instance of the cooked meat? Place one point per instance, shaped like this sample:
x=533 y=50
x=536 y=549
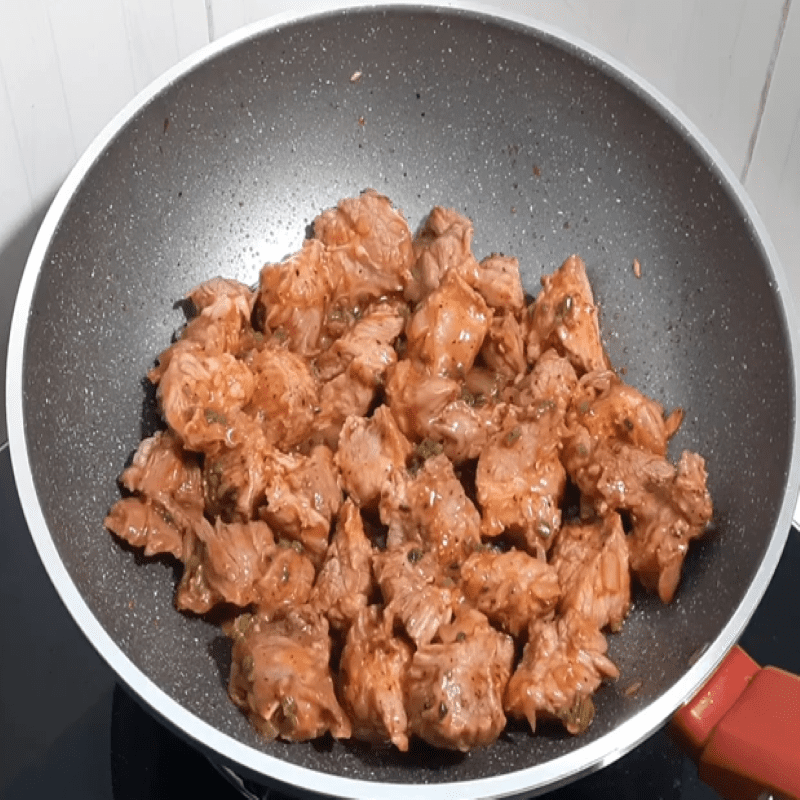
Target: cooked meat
x=369 y=455
x=281 y=678
x=201 y=396
x=444 y=244
x=563 y=664
x=591 y=559
x=303 y=494
x=294 y=297
x=511 y=589
x=412 y=585
x=369 y=243
x=564 y=316
x=222 y=323
x=497 y=280
x=368 y=450
x=430 y=508
x=345 y=581
x=455 y=686
x=141 y=523
x=417 y=398
x=551 y=378
x=664 y=526
x=235 y=472
x=464 y=427
x=668 y=506
x=372 y=673
x=520 y=479
x=366 y=346
x=503 y=348
x=447 y=330
x=609 y=408
x=284 y=396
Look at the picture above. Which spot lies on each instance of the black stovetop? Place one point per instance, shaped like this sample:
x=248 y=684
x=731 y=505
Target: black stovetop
x=69 y=731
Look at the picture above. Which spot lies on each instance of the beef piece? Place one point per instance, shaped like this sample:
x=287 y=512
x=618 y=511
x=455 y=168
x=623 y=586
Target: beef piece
x=284 y=396
x=668 y=507
x=201 y=396
x=369 y=243
x=511 y=588
x=448 y=328
x=551 y=379
x=564 y=316
x=303 y=494
x=520 y=479
x=221 y=325
x=412 y=585
x=432 y=510
x=503 y=348
x=368 y=451
x=497 y=280
x=236 y=471
x=366 y=346
x=239 y=563
x=665 y=524
x=591 y=560
x=143 y=524
x=345 y=580
x=563 y=664
x=464 y=427
x=417 y=398
x=372 y=673
x=455 y=686
x=280 y=677
x=168 y=499
x=443 y=244
x=294 y=297
x=609 y=408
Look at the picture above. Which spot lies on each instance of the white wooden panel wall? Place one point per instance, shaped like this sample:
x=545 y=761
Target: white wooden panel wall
x=67 y=66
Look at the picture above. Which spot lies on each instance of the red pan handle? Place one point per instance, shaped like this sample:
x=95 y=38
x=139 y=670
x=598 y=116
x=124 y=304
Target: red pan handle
x=743 y=730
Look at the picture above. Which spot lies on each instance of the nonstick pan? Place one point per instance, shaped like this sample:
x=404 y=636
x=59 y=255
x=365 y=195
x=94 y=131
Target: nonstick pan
x=552 y=149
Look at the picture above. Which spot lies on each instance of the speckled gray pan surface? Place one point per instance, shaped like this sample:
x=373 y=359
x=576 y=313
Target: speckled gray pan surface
x=549 y=153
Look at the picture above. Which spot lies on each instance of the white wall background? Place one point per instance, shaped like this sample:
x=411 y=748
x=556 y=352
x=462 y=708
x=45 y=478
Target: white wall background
x=67 y=66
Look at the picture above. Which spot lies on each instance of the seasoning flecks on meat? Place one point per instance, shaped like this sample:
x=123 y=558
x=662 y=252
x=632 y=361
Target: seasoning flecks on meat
x=372 y=672
x=430 y=508
x=503 y=349
x=464 y=428
x=302 y=496
x=455 y=686
x=345 y=580
x=281 y=678
x=141 y=523
x=591 y=559
x=520 y=479
x=609 y=408
x=447 y=330
x=552 y=378
x=564 y=316
x=200 y=396
x=294 y=297
x=563 y=664
x=511 y=589
x=369 y=242
x=369 y=448
x=497 y=280
x=412 y=585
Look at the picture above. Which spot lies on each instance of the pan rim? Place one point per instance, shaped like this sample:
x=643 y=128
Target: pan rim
x=551 y=774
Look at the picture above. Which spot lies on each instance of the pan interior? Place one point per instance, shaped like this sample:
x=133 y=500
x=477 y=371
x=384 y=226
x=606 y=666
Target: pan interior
x=549 y=153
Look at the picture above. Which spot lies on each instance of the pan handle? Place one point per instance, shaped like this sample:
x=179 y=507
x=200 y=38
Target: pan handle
x=743 y=730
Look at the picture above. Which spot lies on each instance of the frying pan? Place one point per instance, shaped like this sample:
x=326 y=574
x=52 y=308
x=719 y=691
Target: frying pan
x=551 y=148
